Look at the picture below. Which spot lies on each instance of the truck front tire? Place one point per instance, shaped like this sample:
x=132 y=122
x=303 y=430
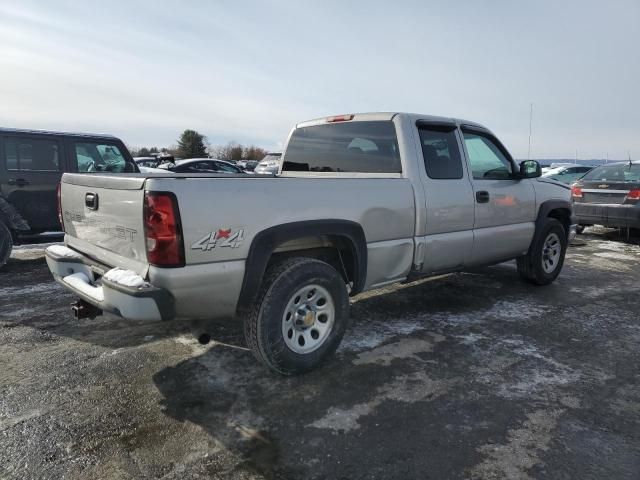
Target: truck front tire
x=299 y=316
x=543 y=263
x=6 y=244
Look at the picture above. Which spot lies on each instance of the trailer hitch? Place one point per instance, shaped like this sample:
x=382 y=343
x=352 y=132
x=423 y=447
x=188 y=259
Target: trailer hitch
x=82 y=309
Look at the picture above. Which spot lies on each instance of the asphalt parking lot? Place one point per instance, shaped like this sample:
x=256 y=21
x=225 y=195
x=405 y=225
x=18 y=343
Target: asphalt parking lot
x=474 y=375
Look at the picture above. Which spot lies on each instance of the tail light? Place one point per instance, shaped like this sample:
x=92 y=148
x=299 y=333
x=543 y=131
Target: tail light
x=634 y=194
x=340 y=118
x=59 y=199
x=163 y=230
x=576 y=192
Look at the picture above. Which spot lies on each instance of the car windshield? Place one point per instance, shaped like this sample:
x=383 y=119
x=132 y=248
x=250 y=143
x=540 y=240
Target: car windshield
x=622 y=172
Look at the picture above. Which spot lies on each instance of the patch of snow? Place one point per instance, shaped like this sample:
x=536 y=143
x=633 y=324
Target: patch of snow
x=126 y=278
x=62 y=251
x=377 y=332
x=616 y=256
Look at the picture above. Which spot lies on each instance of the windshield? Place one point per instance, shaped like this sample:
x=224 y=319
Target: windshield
x=615 y=173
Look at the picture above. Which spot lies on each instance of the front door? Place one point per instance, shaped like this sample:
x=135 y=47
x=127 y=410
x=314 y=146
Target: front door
x=505 y=206
x=33 y=167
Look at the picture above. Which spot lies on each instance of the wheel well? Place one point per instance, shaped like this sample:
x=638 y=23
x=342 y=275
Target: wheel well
x=563 y=216
x=340 y=243
x=337 y=251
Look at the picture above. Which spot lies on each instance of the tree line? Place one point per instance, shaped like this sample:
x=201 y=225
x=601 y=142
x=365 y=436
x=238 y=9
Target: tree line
x=192 y=144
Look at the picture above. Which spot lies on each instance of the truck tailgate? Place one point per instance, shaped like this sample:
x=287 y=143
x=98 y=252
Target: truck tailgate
x=103 y=218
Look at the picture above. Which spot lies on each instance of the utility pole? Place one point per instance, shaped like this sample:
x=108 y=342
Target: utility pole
x=530 y=123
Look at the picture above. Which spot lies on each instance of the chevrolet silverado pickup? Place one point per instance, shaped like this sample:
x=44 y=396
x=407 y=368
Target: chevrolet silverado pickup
x=360 y=201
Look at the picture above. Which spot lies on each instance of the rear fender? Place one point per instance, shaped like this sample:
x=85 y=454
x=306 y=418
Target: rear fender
x=265 y=243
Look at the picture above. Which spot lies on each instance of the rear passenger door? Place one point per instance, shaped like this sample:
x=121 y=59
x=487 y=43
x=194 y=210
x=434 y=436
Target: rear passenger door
x=449 y=199
x=505 y=206
x=33 y=166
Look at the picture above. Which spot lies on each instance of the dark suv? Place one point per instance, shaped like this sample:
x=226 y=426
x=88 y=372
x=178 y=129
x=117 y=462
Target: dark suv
x=31 y=164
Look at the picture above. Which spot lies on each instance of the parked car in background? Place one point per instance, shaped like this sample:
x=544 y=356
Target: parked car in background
x=31 y=164
x=269 y=164
x=363 y=201
x=608 y=195
x=247 y=165
x=201 y=165
x=567 y=173
x=150 y=162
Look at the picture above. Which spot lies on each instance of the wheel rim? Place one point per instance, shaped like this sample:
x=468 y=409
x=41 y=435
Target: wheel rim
x=551 y=250
x=308 y=319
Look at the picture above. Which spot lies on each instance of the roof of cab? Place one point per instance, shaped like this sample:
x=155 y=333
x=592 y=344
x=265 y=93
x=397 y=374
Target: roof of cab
x=386 y=116
x=49 y=132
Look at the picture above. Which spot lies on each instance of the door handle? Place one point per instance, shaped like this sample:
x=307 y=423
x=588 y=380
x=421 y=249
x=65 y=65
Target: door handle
x=20 y=182
x=91 y=200
x=482 y=196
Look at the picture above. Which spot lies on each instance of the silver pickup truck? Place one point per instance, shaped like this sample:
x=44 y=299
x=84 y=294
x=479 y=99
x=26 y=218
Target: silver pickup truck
x=361 y=201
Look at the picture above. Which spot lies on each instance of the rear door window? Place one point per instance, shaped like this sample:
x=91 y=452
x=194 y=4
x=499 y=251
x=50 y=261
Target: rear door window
x=441 y=154
x=363 y=147
x=101 y=157
x=27 y=154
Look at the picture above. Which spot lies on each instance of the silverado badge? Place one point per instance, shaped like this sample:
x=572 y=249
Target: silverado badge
x=221 y=237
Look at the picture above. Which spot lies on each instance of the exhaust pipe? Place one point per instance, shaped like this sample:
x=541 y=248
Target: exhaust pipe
x=82 y=309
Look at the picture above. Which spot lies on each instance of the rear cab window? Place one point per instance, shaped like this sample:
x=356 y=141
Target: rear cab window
x=94 y=156
x=348 y=147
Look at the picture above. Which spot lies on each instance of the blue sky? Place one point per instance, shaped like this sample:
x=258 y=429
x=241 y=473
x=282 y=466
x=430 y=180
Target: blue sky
x=248 y=71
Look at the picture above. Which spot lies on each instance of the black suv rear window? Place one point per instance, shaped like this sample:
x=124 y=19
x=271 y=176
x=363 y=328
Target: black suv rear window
x=363 y=147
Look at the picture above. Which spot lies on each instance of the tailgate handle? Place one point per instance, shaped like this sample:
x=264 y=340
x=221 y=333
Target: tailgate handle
x=91 y=200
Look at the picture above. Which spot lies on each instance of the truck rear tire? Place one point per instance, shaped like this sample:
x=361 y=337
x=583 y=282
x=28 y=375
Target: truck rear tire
x=543 y=263
x=299 y=316
x=6 y=244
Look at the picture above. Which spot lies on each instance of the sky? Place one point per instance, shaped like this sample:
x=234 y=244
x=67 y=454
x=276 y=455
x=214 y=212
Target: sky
x=248 y=71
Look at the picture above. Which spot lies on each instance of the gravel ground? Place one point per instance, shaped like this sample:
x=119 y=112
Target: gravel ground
x=473 y=375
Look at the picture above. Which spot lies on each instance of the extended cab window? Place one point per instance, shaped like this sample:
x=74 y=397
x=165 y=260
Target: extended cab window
x=31 y=154
x=364 y=147
x=101 y=157
x=441 y=153
x=486 y=159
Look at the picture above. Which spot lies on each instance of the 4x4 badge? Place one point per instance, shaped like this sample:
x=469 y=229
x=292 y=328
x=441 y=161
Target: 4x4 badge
x=222 y=237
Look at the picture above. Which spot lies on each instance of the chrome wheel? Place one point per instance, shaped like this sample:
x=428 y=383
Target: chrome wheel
x=308 y=319
x=551 y=250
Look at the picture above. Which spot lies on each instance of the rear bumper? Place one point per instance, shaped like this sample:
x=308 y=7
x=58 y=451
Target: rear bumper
x=607 y=215
x=127 y=296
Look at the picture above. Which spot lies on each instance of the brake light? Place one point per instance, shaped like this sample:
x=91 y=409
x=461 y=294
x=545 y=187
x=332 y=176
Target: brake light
x=340 y=118
x=634 y=194
x=576 y=192
x=59 y=199
x=163 y=231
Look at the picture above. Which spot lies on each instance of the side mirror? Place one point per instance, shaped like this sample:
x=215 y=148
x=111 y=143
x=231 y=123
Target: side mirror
x=530 y=169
